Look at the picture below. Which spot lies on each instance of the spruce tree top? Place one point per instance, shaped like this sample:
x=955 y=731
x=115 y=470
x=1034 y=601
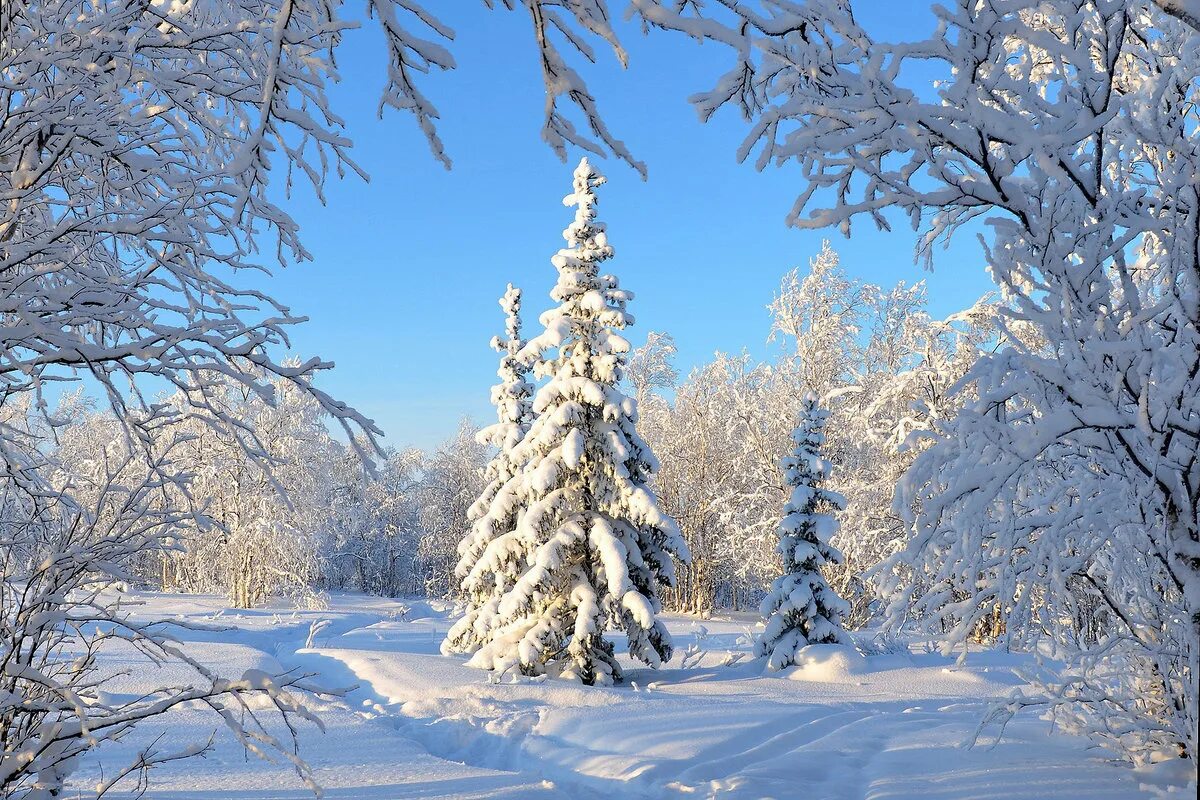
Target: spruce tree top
x=592 y=305
x=511 y=395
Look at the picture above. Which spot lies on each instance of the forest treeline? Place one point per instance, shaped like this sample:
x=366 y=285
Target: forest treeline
x=295 y=514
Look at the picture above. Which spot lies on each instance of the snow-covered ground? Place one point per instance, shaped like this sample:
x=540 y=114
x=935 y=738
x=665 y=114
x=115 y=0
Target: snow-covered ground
x=420 y=725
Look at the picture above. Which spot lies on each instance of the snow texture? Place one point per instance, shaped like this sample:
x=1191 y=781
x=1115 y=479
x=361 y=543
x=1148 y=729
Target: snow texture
x=418 y=725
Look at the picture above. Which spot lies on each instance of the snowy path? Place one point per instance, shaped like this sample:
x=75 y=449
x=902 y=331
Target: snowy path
x=420 y=725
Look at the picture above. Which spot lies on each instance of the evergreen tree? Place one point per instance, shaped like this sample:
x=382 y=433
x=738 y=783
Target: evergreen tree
x=485 y=575
x=595 y=545
x=801 y=608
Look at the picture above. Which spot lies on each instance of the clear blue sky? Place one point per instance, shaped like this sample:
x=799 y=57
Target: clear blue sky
x=402 y=289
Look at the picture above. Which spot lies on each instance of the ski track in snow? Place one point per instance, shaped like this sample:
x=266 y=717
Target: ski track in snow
x=416 y=724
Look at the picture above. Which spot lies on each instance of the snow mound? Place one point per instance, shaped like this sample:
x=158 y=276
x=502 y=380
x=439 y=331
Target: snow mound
x=828 y=663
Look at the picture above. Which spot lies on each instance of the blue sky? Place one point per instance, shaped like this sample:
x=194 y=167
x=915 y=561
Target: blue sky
x=407 y=268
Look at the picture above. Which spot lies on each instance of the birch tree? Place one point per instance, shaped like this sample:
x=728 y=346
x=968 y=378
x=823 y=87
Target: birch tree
x=452 y=480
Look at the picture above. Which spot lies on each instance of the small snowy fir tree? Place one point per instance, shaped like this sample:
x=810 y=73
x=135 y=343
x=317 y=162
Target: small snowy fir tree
x=595 y=545
x=485 y=579
x=801 y=608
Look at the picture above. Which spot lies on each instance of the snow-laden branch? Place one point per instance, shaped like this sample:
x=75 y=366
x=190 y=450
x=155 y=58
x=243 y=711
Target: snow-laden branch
x=1186 y=10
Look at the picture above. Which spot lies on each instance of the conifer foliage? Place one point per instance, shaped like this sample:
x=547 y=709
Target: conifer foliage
x=801 y=608
x=593 y=542
x=485 y=579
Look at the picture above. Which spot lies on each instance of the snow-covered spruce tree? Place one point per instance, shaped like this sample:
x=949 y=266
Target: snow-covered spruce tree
x=595 y=545
x=801 y=608
x=495 y=512
x=483 y=582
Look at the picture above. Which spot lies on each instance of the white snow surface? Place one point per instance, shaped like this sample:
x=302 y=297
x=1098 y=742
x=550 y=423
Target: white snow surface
x=416 y=724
